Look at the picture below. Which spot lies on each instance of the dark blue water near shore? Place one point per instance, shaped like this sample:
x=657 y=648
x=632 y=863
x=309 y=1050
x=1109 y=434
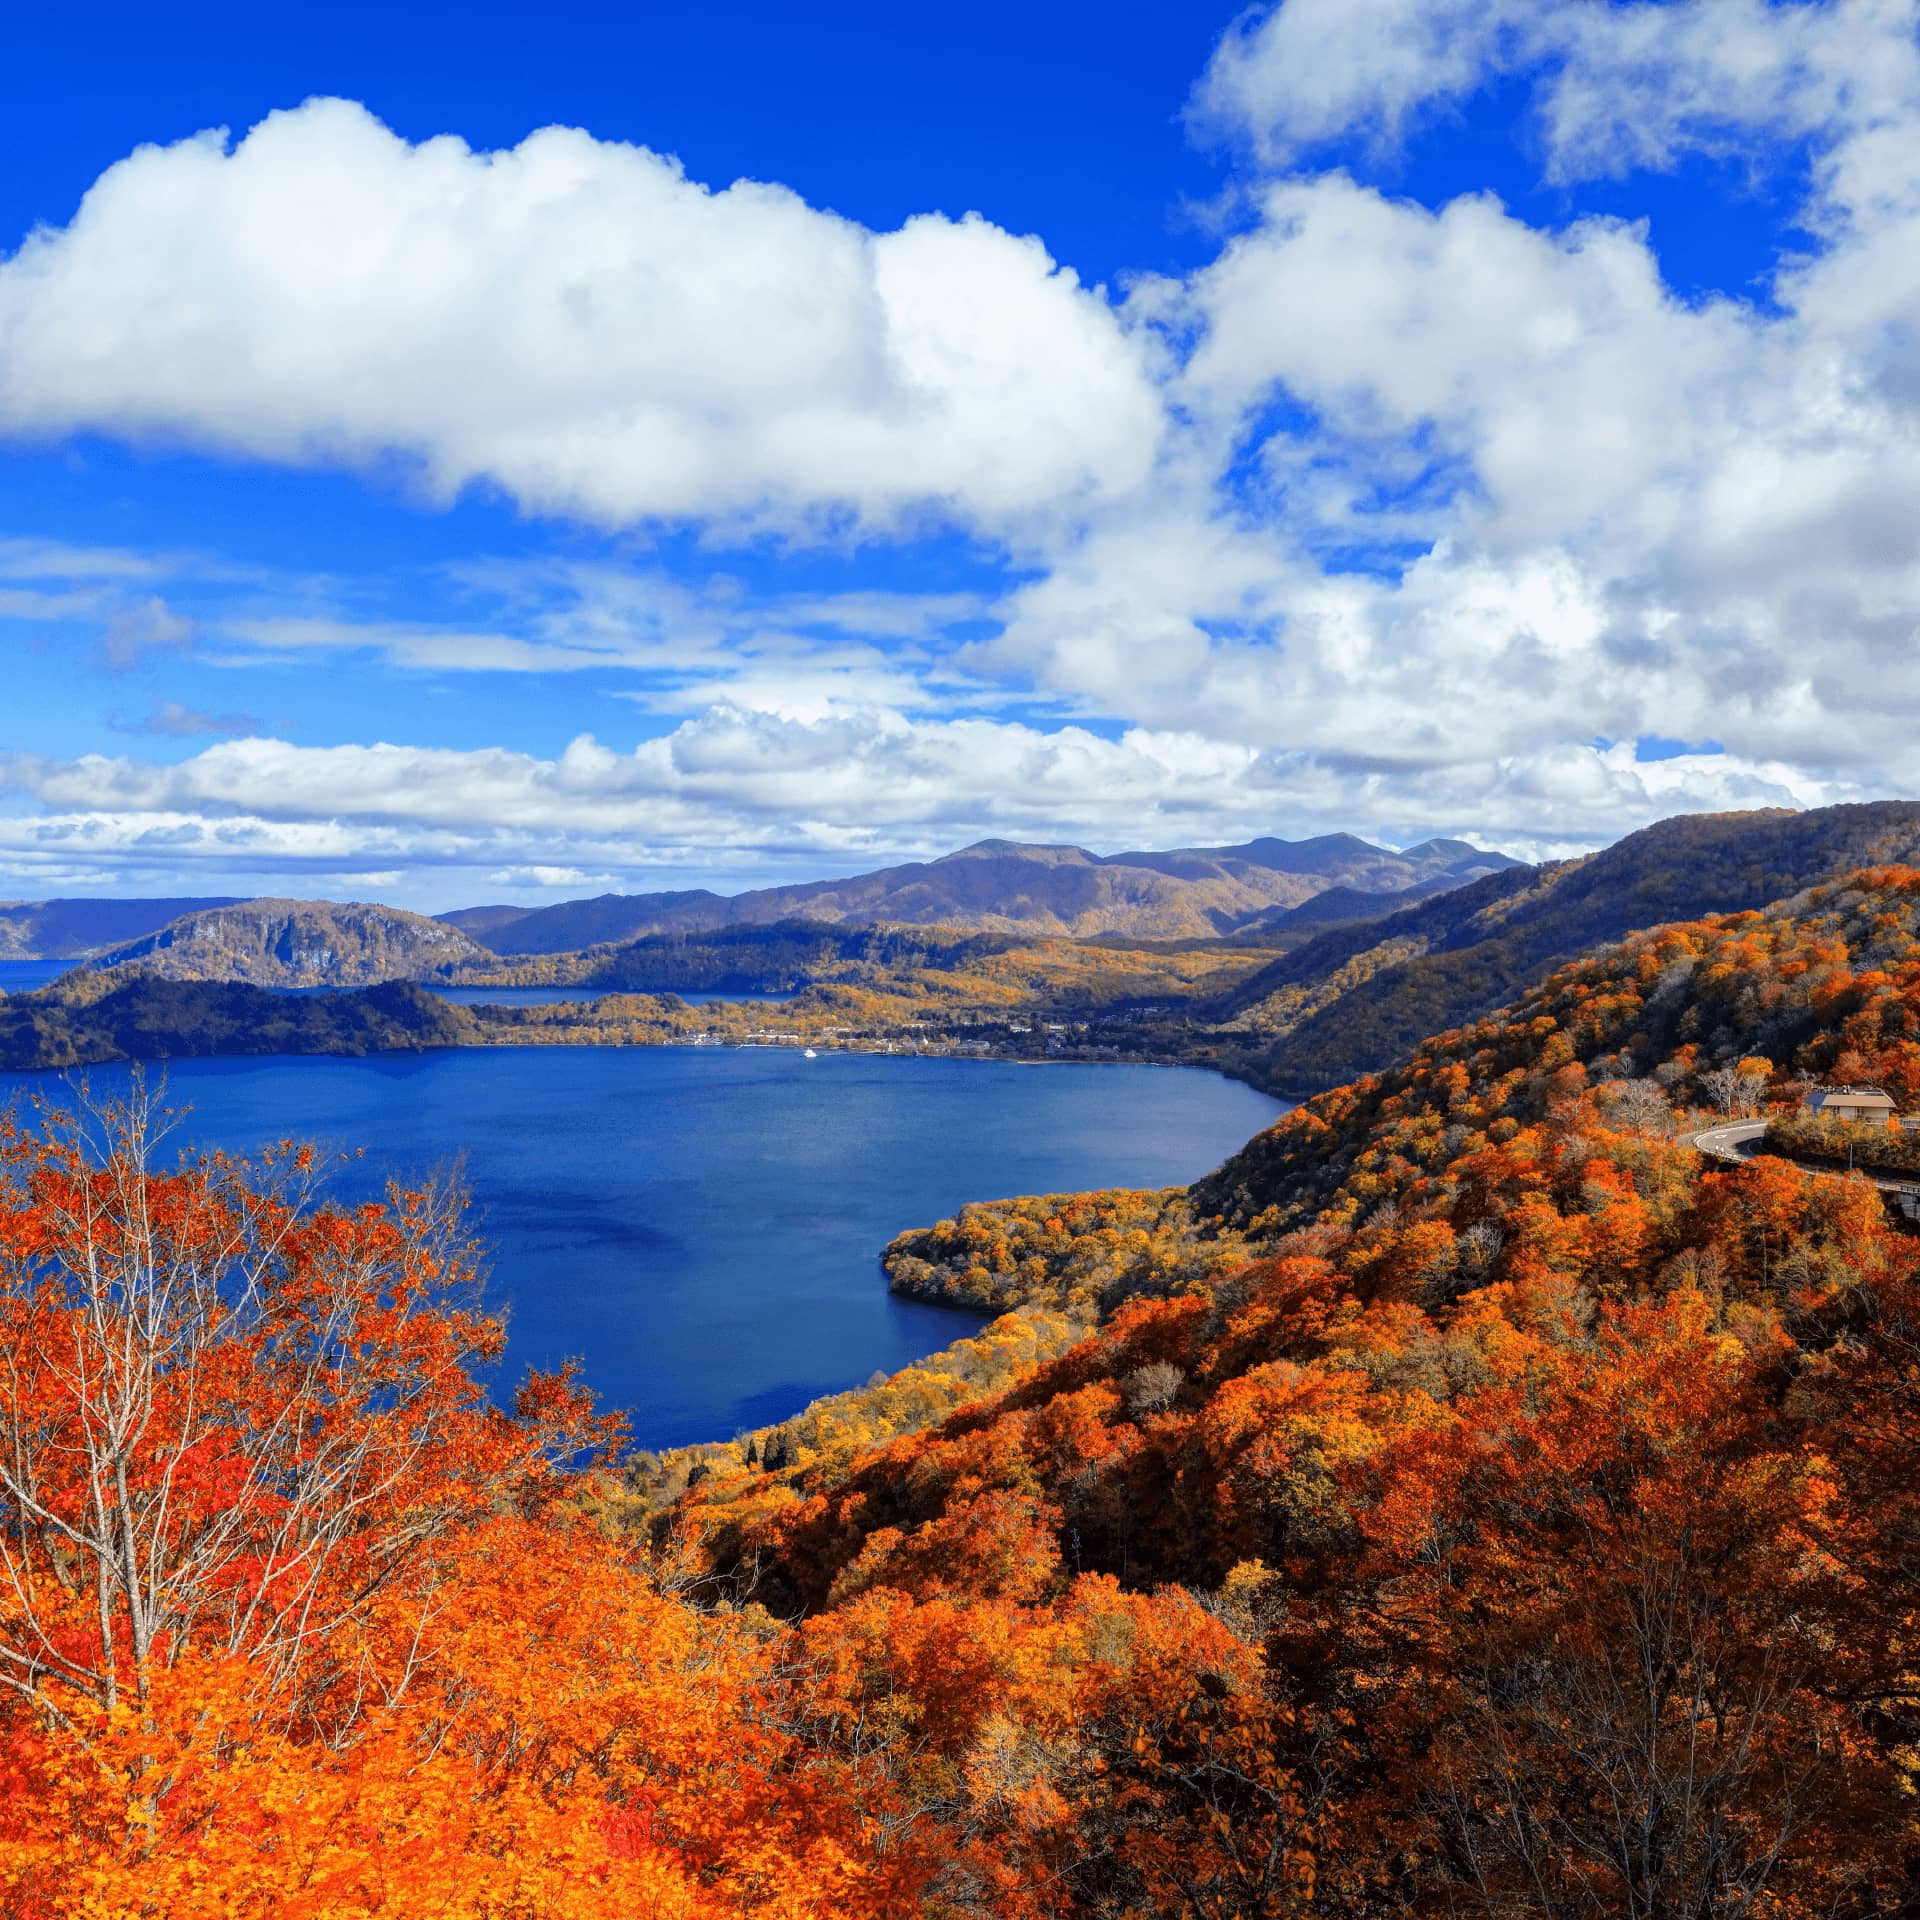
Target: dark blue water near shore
x=702 y=1227
x=23 y=976
x=553 y=996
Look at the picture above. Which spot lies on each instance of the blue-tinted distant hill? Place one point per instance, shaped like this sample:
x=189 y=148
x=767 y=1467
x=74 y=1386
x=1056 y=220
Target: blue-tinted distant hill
x=69 y=929
x=1005 y=886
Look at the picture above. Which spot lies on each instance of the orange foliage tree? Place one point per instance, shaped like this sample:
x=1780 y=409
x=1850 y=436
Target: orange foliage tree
x=294 y=1620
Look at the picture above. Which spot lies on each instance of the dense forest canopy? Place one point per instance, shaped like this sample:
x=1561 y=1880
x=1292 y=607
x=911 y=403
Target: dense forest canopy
x=1469 y=1501
x=1360 y=1000
x=1461 y=1394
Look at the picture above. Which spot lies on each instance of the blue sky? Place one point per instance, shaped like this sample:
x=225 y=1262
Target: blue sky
x=848 y=432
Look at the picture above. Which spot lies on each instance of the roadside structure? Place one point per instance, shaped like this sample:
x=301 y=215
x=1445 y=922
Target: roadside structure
x=1852 y=1103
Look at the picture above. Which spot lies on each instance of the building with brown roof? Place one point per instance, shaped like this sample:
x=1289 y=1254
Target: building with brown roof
x=1851 y=1103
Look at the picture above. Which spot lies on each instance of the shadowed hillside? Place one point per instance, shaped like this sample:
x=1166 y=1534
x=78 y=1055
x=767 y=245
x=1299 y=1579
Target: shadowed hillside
x=136 y=1015
x=1359 y=998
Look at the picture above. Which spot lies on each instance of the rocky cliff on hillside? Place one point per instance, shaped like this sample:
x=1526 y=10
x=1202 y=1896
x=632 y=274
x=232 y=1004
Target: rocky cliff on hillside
x=298 y=943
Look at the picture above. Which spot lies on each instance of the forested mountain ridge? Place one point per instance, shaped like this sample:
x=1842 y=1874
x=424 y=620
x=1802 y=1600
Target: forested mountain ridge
x=1358 y=999
x=1428 y=1392
x=774 y=956
x=296 y=943
x=1004 y=886
x=1823 y=985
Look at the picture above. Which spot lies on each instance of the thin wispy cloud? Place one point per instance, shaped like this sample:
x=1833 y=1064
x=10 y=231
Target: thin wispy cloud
x=174 y=720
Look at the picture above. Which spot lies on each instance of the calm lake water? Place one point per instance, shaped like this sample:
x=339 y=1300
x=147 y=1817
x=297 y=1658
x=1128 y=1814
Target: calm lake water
x=552 y=996
x=703 y=1226
x=23 y=976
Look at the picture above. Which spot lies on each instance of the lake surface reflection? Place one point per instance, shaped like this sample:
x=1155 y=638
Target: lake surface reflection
x=552 y=996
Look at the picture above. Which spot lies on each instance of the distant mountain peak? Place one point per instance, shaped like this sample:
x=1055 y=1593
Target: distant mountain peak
x=1042 y=853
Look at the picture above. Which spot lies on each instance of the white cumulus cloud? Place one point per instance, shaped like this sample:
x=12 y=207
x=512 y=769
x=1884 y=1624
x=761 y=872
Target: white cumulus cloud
x=574 y=322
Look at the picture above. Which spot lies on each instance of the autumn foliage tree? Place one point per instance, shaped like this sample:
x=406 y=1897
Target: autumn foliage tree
x=1559 y=1481
x=295 y=1620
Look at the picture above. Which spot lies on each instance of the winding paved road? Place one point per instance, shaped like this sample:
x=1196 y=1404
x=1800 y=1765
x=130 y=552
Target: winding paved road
x=1739 y=1140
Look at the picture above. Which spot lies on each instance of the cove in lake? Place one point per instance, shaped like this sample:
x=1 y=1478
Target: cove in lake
x=703 y=1226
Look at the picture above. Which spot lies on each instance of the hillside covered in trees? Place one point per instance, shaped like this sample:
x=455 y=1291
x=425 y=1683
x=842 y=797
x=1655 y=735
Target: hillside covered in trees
x=778 y=956
x=1462 y=1394
x=1468 y=1501
x=90 y=1018
x=1361 y=997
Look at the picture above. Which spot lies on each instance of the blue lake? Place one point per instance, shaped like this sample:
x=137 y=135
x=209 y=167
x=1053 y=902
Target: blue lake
x=702 y=1226
x=552 y=996
x=23 y=976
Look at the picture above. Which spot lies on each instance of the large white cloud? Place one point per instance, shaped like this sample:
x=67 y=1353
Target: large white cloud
x=575 y=322
x=1612 y=510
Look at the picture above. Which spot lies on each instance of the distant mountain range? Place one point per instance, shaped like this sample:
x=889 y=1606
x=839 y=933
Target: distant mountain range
x=1367 y=960
x=1002 y=886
